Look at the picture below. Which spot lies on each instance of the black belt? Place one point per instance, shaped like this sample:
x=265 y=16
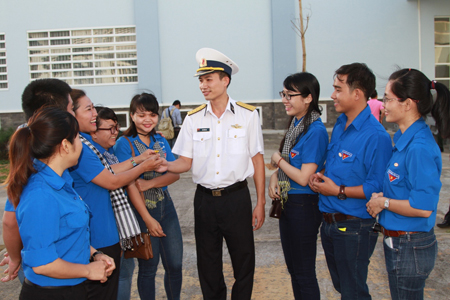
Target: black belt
x=46 y=287
x=223 y=191
x=330 y=218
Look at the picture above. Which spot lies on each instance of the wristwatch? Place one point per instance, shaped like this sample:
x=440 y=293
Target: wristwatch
x=94 y=254
x=342 y=195
x=386 y=203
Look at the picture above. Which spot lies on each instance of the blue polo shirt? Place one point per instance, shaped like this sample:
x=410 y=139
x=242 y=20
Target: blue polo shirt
x=413 y=173
x=311 y=148
x=103 y=222
x=9 y=206
x=123 y=151
x=53 y=223
x=356 y=156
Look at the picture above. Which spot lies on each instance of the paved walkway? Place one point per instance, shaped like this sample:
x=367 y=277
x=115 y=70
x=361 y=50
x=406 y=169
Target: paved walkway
x=272 y=281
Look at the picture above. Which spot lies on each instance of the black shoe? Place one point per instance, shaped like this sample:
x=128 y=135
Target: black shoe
x=446 y=222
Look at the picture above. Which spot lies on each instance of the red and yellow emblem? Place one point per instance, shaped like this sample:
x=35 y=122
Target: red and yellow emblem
x=392 y=176
x=203 y=63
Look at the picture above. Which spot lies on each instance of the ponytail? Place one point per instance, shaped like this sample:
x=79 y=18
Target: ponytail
x=40 y=140
x=21 y=164
x=413 y=84
x=441 y=109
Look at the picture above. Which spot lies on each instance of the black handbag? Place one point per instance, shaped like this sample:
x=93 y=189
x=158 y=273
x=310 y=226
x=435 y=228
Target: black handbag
x=275 y=210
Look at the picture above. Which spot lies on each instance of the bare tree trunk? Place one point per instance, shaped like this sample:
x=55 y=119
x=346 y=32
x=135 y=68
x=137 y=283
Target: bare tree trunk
x=302 y=35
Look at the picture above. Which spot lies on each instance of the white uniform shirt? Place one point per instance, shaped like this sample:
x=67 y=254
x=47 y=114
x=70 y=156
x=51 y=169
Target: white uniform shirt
x=221 y=148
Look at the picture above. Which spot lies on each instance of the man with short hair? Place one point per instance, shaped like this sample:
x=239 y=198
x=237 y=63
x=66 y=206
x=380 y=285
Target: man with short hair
x=222 y=141
x=358 y=153
x=38 y=93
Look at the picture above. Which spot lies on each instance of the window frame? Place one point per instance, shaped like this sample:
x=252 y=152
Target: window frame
x=5 y=64
x=444 y=80
x=84 y=56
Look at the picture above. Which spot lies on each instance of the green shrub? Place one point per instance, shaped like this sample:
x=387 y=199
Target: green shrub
x=5 y=135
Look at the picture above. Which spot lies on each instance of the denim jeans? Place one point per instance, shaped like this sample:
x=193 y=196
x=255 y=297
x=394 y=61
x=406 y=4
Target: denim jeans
x=169 y=248
x=299 y=224
x=125 y=278
x=348 y=246
x=409 y=262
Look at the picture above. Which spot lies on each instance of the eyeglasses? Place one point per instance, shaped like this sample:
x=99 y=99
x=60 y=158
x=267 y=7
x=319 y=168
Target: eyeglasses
x=288 y=96
x=386 y=99
x=113 y=129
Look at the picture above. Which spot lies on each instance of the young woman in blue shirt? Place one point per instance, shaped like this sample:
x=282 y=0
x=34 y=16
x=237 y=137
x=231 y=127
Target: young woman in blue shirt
x=302 y=153
x=407 y=206
x=93 y=182
x=53 y=219
x=166 y=240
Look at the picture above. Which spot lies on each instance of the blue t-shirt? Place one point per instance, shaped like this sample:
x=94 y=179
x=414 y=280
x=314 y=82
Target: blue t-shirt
x=53 y=223
x=356 y=156
x=413 y=174
x=123 y=151
x=103 y=222
x=311 y=148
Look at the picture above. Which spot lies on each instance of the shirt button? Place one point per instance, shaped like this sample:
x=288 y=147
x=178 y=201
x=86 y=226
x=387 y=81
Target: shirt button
x=235 y=136
x=217 y=173
x=218 y=138
x=75 y=198
x=218 y=155
x=218 y=122
x=202 y=139
x=85 y=211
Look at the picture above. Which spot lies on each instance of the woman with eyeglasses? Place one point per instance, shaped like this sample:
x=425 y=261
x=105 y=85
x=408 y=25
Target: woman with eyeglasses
x=167 y=243
x=112 y=223
x=408 y=204
x=302 y=153
x=53 y=219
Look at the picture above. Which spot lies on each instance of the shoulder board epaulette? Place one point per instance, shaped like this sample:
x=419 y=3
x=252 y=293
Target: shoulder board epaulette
x=197 y=109
x=246 y=106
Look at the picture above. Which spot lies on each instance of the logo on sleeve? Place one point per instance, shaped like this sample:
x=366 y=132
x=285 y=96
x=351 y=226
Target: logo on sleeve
x=345 y=154
x=294 y=153
x=393 y=176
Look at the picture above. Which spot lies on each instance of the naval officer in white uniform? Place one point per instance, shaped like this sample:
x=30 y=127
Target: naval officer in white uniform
x=223 y=143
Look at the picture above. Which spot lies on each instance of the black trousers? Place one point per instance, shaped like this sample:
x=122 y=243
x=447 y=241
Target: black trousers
x=34 y=292
x=226 y=217
x=107 y=290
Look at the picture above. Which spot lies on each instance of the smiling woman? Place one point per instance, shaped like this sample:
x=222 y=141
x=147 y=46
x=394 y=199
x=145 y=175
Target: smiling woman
x=141 y=136
x=94 y=179
x=302 y=153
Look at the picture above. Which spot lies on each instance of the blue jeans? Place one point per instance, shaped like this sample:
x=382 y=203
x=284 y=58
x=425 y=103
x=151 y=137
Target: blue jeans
x=169 y=248
x=125 y=278
x=409 y=263
x=299 y=225
x=348 y=246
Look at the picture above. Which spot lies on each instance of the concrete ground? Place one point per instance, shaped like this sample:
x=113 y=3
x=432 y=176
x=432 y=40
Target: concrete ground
x=272 y=281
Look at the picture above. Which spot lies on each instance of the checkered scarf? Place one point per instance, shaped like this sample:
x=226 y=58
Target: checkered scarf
x=290 y=140
x=152 y=196
x=125 y=219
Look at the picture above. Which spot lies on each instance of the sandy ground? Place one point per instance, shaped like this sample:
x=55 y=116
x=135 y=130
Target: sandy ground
x=272 y=280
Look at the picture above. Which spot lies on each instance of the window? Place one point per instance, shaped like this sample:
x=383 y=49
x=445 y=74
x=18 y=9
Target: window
x=3 y=67
x=84 y=56
x=442 y=49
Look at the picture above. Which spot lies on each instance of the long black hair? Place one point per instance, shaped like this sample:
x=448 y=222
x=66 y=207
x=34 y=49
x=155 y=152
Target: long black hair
x=305 y=84
x=413 y=84
x=46 y=129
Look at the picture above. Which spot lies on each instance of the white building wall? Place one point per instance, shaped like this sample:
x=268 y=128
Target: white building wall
x=382 y=33
x=239 y=29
